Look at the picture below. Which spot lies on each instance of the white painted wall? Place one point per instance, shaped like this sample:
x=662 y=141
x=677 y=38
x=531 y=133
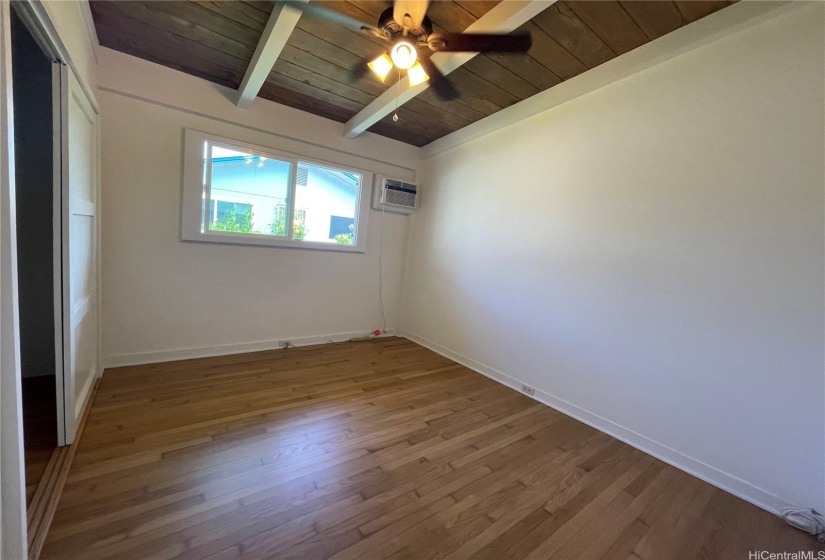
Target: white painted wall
x=650 y=257
x=165 y=299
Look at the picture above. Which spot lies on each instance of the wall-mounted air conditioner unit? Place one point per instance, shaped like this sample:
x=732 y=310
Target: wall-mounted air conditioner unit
x=393 y=195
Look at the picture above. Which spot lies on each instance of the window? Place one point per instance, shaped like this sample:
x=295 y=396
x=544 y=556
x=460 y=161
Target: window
x=235 y=192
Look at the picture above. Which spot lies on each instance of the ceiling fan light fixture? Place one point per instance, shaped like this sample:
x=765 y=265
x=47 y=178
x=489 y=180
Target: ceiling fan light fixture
x=403 y=54
x=417 y=75
x=381 y=66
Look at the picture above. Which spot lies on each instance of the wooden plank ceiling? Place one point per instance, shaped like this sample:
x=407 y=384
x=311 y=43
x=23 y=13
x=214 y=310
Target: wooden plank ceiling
x=215 y=40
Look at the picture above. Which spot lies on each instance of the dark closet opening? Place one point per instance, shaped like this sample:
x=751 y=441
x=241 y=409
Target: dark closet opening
x=33 y=149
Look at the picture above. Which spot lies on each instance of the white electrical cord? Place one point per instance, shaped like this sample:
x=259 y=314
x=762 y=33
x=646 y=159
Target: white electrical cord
x=807 y=520
x=381 y=264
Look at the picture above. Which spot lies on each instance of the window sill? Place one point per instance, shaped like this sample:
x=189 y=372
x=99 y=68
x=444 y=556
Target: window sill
x=228 y=238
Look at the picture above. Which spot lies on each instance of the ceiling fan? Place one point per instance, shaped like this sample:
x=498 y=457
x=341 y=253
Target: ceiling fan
x=407 y=29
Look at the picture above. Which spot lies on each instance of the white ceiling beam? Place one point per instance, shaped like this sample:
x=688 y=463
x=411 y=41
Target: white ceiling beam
x=507 y=16
x=281 y=22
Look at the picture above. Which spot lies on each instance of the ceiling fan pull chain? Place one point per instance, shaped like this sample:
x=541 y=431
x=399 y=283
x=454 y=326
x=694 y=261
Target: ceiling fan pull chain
x=398 y=93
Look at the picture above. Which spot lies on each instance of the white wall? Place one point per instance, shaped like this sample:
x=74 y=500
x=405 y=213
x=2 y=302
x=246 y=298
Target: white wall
x=166 y=299
x=650 y=257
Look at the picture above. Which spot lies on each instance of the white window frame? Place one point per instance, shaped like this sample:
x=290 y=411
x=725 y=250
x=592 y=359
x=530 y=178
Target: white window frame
x=194 y=188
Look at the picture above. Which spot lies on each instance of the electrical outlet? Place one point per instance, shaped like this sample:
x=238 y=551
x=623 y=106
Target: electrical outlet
x=527 y=390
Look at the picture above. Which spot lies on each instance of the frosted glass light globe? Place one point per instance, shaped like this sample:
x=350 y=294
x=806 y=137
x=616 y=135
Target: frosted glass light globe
x=403 y=54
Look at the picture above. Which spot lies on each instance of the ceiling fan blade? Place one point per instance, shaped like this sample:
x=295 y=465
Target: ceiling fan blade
x=409 y=14
x=358 y=71
x=479 y=42
x=354 y=25
x=439 y=83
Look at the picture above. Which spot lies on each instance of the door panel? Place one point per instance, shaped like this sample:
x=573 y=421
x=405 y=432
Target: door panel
x=82 y=266
x=81 y=145
x=80 y=249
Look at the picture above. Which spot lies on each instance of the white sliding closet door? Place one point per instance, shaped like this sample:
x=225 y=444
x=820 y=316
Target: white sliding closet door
x=79 y=242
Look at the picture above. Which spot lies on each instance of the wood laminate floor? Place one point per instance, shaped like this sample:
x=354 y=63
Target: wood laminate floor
x=373 y=450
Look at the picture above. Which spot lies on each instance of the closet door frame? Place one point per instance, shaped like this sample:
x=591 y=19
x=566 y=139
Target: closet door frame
x=13 y=530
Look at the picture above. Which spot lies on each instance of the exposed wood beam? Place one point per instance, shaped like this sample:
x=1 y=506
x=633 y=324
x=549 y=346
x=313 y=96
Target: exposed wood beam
x=507 y=16
x=281 y=22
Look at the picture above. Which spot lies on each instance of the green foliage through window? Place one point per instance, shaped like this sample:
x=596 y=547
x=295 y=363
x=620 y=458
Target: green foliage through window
x=278 y=227
x=344 y=238
x=232 y=222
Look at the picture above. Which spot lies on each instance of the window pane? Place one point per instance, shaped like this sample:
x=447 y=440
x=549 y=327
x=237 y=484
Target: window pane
x=326 y=202
x=248 y=192
x=225 y=209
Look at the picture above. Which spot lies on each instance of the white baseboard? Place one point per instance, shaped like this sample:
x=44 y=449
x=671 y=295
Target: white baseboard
x=728 y=482
x=140 y=358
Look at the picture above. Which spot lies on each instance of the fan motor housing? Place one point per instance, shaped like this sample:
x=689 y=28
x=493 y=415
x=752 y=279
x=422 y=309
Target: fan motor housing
x=393 y=30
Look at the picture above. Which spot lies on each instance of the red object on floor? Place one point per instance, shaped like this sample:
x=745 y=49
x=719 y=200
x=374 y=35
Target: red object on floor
x=376 y=332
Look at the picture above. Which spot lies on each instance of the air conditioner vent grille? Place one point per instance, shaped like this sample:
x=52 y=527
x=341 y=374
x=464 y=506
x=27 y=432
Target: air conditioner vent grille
x=393 y=195
x=400 y=194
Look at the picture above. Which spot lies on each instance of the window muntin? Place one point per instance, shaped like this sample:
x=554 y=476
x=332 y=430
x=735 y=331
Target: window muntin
x=248 y=194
